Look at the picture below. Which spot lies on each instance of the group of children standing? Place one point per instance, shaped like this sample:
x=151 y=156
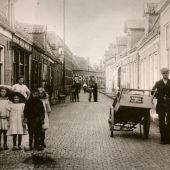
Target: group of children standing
x=18 y=113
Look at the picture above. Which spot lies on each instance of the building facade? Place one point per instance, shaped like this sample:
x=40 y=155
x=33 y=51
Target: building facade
x=26 y=50
x=148 y=42
x=164 y=10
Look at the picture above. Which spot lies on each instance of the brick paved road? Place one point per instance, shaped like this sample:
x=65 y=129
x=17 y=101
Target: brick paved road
x=79 y=139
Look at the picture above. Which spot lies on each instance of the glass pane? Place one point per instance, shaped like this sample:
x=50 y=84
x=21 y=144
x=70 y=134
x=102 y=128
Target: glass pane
x=0 y=72
x=26 y=59
x=16 y=56
x=22 y=70
x=0 y=54
x=22 y=58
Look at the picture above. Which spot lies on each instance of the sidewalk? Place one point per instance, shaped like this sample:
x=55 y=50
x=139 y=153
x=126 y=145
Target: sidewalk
x=154 y=116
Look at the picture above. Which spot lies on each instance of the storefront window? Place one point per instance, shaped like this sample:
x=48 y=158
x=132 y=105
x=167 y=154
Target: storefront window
x=35 y=74
x=1 y=64
x=20 y=65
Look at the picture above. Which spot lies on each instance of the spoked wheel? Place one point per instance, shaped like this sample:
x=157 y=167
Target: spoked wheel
x=146 y=125
x=111 y=122
x=111 y=132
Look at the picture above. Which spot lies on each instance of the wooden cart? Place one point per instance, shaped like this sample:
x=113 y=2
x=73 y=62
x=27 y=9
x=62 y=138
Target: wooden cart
x=131 y=107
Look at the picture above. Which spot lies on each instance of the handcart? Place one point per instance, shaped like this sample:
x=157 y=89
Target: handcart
x=131 y=107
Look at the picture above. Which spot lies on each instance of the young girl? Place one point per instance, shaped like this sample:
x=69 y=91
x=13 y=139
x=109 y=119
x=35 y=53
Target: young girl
x=47 y=108
x=16 y=119
x=4 y=115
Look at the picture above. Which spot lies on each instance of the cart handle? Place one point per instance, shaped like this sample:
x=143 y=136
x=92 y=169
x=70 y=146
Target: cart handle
x=153 y=95
x=137 y=89
x=121 y=91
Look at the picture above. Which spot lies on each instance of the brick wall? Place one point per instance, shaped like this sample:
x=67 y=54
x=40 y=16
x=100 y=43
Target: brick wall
x=5 y=42
x=4 y=10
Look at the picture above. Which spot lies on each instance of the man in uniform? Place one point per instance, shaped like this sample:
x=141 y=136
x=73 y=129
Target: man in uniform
x=162 y=94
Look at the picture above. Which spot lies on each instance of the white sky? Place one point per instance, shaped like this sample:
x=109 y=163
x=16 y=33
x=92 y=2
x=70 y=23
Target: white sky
x=90 y=25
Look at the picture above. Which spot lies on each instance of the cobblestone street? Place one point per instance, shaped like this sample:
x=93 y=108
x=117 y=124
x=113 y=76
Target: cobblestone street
x=79 y=139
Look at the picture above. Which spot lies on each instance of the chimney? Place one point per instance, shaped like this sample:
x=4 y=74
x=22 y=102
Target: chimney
x=11 y=18
x=150 y=14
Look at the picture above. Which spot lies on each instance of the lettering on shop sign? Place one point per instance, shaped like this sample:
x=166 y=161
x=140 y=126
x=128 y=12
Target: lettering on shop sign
x=22 y=43
x=135 y=99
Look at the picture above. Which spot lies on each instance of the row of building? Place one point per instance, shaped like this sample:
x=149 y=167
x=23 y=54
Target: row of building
x=32 y=51
x=134 y=61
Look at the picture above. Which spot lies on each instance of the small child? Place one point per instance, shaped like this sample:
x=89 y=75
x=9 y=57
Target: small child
x=16 y=121
x=4 y=115
x=47 y=108
x=34 y=115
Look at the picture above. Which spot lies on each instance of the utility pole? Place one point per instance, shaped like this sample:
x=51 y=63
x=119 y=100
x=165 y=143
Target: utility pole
x=63 y=46
x=88 y=69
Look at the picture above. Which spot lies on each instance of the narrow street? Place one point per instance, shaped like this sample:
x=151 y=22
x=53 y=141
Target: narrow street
x=79 y=139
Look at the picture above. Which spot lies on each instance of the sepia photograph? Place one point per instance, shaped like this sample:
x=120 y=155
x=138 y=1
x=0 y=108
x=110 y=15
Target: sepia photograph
x=84 y=84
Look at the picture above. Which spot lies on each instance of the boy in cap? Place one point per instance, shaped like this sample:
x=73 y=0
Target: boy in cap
x=34 y=115
x=162 y=88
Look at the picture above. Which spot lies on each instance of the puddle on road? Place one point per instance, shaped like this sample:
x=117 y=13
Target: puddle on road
x=39 y=159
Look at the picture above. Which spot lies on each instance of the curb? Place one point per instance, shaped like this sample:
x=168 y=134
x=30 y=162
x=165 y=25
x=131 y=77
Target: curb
x=108 y=95
x=153 y=114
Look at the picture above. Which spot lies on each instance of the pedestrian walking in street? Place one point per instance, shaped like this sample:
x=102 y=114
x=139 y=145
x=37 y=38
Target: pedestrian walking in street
x=95 y=91
x=17 y=127
x=49 y=90
x=90 y=89
x=4 y=115
x=21 y=88
x=34 y=115
x=73 y=93
x=77 y=88
x=85 y=87
x=162 y=88
x=47 y=109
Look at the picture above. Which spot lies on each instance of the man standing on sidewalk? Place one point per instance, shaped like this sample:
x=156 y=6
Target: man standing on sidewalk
x=77 y=87
x=162 y=88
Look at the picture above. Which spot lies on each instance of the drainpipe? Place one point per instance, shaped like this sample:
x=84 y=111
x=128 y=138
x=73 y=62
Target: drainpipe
x=138 y=68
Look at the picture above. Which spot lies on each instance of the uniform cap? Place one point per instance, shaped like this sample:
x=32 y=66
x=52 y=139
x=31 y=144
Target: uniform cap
x=164 y=70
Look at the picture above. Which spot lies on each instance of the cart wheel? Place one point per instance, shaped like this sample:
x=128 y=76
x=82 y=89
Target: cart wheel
x=146 y=125
x=111 y=122
x=111 y=133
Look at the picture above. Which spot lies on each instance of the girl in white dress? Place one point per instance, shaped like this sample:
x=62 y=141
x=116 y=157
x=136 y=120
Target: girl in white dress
x=47 y=108
x=4 y=115
x=16 y=119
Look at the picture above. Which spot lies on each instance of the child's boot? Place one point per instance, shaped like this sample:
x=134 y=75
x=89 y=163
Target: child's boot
x=15 y=148
x=29 y=148
x=6 y=147
x=1 y=148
